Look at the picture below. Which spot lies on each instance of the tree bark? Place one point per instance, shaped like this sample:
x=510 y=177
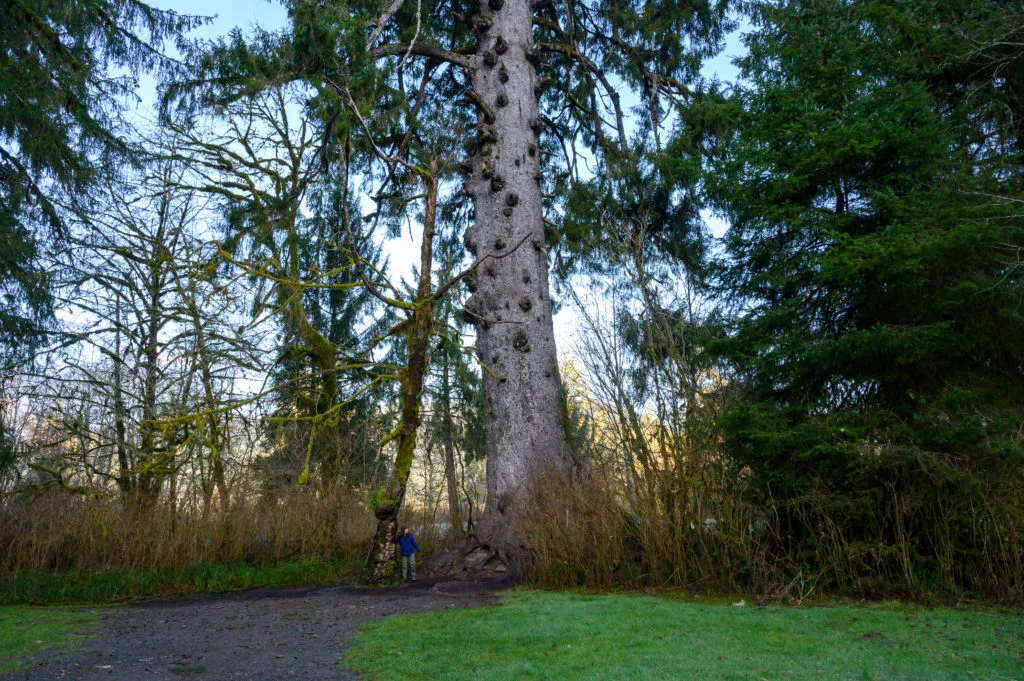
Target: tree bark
x=322 y=353
x=511 y=305
x=418 y=329
x=448 y=444
x=124 y=472
x=151 y=472
x=210 y=424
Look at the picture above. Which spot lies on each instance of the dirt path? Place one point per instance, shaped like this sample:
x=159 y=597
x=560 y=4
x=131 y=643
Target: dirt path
x=263 y=635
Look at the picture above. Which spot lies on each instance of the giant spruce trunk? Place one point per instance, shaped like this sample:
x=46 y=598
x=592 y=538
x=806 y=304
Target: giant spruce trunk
x=511 y=304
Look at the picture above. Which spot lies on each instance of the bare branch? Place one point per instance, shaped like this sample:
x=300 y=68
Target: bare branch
x=490 y=255
x=382 y=22
x=423 y=50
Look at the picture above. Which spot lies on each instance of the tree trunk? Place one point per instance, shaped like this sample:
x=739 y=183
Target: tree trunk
x=124 y=471
x=207 y=422
x=448 y=445
x=322 y=352
x=151 y=472
x=511 y=305
x=214 y=444
x=418 y=329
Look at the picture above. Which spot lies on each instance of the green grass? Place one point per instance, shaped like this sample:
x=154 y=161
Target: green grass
x=105 y=586
x=534 y=636
x=25 y=631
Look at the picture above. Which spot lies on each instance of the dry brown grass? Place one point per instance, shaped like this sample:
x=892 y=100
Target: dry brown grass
x=695 y=530
x=60 y=533
x=575 y=532
x=585 y=530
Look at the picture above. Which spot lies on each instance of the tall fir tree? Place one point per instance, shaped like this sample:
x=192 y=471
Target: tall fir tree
x=346 y=315
x=65 y=68
x=870 y=180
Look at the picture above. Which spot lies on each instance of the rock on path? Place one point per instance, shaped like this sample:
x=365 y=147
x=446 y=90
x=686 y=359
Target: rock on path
x=262 y=635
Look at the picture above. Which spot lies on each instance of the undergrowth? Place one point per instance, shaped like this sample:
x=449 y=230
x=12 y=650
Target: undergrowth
x=108 y=585
x=60 y=548
x=697 y=529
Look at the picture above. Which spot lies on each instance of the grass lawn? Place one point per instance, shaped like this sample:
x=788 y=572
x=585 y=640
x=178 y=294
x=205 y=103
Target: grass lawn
x=26 y=630
x=536 y=635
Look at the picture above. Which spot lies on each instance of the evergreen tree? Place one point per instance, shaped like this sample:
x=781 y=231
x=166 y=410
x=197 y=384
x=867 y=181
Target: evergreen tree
x=870 y=180
x=64 y=67
x=347 y=315
x=455 y=420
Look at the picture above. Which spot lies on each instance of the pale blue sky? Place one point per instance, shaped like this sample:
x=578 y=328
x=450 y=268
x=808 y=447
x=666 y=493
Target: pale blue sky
x=242 y=13
x=271 y=14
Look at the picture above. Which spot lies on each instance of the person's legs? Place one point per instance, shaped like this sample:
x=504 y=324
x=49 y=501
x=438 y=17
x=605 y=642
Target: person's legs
x=405 y=566
x=412 y=566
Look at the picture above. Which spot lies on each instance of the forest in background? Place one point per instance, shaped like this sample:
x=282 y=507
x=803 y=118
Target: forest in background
x=208 y=359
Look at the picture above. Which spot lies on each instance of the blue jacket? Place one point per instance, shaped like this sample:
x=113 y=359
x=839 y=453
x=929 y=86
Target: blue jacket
x=408 y=544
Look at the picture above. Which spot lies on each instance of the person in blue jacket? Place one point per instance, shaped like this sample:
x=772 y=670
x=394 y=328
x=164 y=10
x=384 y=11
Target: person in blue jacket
x=409 y=548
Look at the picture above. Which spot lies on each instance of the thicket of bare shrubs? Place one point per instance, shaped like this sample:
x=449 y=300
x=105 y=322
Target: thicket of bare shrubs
x=59 y=532
x=702 y=530
x=48 y=529
x=584 y=532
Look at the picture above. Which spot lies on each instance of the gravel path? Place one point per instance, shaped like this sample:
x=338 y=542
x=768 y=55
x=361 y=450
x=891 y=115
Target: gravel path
x=262 y=635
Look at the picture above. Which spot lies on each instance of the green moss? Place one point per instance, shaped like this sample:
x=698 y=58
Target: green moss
x=380 y=502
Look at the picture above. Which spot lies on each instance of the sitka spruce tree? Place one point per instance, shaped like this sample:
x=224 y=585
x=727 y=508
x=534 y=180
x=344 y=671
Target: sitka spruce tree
x=874 y=183
x=530 y=94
